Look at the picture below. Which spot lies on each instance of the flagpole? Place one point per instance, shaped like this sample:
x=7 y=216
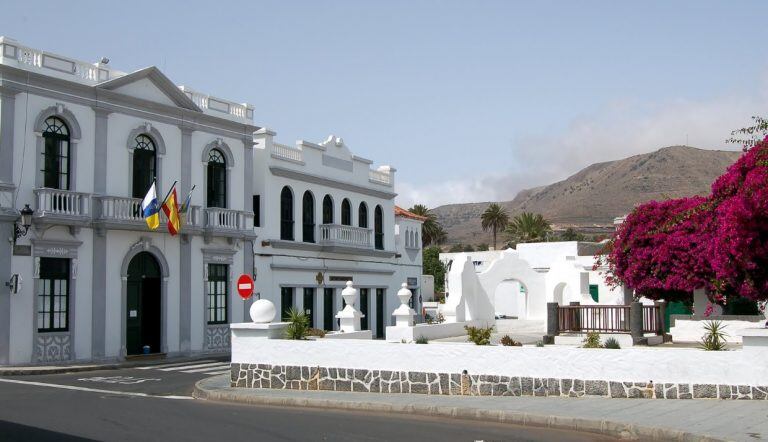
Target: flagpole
x=169 y=191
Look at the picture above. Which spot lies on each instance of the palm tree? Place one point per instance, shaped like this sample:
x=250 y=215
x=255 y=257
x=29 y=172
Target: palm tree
x=431 y=230
x=528 y=227
x=494 y=218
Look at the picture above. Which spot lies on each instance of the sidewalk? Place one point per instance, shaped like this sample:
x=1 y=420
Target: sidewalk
x=10 y=370
x=645 y=419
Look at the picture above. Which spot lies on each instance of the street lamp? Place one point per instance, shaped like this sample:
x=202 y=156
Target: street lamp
x=26 y=223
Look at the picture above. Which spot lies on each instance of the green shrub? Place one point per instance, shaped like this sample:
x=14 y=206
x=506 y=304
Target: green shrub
x=540 y=343
x=592 y=340
x=479 y=335
x=440 y=318
x=612 y=343
x=422 y=340
x=507 y=341
x=714 y=336
x=299 y=324
x=428 y=318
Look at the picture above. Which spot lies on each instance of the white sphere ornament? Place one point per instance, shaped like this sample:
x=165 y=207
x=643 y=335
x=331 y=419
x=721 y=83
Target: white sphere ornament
x=262 y=311
x=404 y=294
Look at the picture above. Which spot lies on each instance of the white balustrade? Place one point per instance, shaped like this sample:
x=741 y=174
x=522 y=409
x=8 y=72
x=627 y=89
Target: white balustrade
x=208 y=102
x=225 y=219
x=380 y=177
x=286 y=152
x=120 y=208
x=36 y=59
x=336 y=234
x=62 y=202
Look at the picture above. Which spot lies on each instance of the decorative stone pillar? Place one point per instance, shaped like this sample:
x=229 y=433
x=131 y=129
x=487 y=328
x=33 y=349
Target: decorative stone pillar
x=551 y=323
x=349 y=317
x=404 y=313
x=636 y=322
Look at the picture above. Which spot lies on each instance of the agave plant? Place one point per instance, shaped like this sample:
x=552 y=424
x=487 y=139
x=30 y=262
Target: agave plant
x=714 y=336
x=299 y=324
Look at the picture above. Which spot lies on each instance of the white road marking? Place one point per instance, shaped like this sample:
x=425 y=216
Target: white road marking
x=207 y=369
x=91 y=390
x=124 y=380
x=177 y=364
x=190 y=367
x=218 y=372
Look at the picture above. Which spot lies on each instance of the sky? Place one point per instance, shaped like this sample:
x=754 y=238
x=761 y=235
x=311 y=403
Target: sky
x=469 y=101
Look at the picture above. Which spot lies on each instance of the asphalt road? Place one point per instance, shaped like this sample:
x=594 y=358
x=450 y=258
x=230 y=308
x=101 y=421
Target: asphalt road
x=135 y=404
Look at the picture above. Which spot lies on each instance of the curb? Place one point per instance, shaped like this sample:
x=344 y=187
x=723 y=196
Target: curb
x=604 y=427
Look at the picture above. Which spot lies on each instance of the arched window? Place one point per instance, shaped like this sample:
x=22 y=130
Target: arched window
x=378 y=228
x=286 y=214
x=56 y=154
x=327 y=210
x=417 y=244
x=144 y=165
x=346 y=212
x=217 y=179
x=362 y=216
x=308 y=217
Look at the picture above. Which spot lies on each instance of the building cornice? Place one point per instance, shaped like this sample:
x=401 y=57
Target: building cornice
x=323 y=181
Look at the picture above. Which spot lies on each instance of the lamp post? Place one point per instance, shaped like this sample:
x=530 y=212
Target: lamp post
x=26 y=223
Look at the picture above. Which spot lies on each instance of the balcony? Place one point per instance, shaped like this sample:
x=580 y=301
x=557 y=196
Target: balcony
x=287 y=153
x=337 y=235
x=228 y=223
x=62 y=207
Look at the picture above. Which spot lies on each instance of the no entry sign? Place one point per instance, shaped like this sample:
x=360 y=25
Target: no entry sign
x=245 y=286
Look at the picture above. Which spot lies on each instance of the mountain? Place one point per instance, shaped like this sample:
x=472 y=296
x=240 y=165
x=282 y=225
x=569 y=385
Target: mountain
x=594 y=196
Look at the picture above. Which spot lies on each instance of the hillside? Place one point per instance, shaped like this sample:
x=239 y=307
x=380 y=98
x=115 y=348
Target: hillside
x=597 y=194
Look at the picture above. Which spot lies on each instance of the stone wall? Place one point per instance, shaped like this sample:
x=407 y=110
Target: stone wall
x=381 y=381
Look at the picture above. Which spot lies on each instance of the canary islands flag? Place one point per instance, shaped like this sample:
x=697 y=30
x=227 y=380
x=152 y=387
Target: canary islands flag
x=150 y=209
x=171 y=209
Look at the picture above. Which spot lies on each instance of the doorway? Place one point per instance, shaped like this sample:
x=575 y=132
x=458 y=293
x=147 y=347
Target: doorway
x=380 y=313
x=328 y=309
x=309 y=305
x=143 y=306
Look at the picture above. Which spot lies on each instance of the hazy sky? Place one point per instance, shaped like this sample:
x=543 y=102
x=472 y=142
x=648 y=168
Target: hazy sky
x=469 y=101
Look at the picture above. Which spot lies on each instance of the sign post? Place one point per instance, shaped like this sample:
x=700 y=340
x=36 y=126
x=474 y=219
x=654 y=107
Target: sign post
x=245 y=286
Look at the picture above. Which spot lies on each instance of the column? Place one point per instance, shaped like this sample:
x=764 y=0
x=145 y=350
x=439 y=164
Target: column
x=185 y=245
x=7 y=123
x=99 y=258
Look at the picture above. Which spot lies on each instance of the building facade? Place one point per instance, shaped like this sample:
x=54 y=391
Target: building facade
x=81 y=144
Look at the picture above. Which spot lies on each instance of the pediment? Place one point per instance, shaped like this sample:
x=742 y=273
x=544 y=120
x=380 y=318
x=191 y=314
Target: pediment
x=152 y=85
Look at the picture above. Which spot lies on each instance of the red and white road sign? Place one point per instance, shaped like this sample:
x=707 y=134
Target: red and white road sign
x=245 y=286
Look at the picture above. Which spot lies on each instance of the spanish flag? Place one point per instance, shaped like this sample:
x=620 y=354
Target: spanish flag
x=149 y=209
x=171 y=209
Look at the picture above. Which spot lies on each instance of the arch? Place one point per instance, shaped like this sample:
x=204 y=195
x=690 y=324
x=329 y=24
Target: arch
x=378 y=228
x=56 y=155
x=143 y=164
x=150 y=131
x=62 y=113
x=328 y=209
x=417 y=244
x=221 y=146
x=346 y=212
x=559 y=294
x=286 y=214
x=510 y=298
x=152 y=250
x=216 y=179
x=308 y=217
x=362 y=215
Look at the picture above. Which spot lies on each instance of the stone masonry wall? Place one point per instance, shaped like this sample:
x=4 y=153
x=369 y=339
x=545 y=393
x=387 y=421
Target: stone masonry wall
x=380 y=381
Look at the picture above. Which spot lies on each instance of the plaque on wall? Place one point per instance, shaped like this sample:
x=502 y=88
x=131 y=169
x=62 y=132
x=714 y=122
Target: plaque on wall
x=340 y=278
x=22 y=250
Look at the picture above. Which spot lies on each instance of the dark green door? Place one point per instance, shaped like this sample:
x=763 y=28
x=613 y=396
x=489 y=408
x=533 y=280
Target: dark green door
x=286 y=302
x=309 y=305
x=364 y=309
x=328 y=309
x=380 y=313
x=143 y=305
x=675 y=308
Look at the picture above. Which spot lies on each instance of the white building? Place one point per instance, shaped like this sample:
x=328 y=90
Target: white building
x=81 y=143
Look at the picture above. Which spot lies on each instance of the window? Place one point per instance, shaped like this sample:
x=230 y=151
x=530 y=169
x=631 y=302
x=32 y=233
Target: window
x=218 y=276
x=378 y=227
x=346 y=212
x=286 y=302
x=327 y=210
x=53 y=295
x=144 y=165
x=217 y=179
x=257 y=211
x=309 y=305
x=56 y=154
x=594 y=291
x=286 y=214
x=362 y=215
x=308 y=217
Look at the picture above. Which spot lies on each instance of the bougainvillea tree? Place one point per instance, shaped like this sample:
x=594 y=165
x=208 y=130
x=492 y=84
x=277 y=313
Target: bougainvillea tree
x=661 y=249
x=739 y=253
x=667 y=249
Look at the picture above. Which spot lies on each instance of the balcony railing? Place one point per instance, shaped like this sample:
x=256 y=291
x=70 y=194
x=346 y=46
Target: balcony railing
x=224 y=219
x=116 y=208
x=206 y=102
x=62 y=203
x=379 y=177
x=285 y=152
x=349 y=236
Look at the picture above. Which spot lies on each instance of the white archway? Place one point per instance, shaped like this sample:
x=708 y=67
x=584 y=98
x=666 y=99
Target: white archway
x=510 y=299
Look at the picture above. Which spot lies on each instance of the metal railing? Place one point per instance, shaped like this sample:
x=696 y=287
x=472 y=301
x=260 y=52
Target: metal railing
x=593 y=318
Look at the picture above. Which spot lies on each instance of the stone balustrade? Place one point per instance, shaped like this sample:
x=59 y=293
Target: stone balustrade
x=61 y=202
x=285 y=152
x=349 y=236
x=227 y=108
x=380 y=177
